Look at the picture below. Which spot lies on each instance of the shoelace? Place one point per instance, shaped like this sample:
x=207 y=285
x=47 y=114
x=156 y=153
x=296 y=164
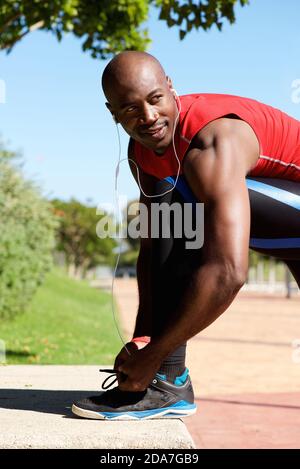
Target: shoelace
x=113 y=372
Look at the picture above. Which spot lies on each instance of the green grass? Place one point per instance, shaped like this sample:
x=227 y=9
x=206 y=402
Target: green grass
x=68 y=322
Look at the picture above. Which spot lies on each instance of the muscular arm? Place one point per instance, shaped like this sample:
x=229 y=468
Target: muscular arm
x=215 y=170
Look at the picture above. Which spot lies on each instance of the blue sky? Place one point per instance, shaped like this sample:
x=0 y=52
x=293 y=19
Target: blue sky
x=55 y=113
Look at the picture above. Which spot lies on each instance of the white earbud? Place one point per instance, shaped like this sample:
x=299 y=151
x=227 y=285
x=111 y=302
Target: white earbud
x=114 y=118
x=174 y=91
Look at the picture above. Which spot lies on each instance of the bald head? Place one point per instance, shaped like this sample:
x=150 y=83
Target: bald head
x=128 y=69
x=140 y=97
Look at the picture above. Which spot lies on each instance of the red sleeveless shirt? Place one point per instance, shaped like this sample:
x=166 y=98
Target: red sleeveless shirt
x=278 y=135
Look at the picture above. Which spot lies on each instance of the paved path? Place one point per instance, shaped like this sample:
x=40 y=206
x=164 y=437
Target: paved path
x=245 y=372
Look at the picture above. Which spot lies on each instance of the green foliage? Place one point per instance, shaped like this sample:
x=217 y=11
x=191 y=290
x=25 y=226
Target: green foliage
x=26 y=237
x=129 y=258
x=105 y=26
x=189 y=15
x=77 y=237
x=108 y=26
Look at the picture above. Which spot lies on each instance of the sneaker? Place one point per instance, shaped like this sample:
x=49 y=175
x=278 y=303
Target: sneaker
x=162 y=399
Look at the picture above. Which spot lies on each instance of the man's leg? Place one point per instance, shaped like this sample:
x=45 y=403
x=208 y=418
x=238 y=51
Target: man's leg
x=275 y=220
x=172 y=269
x=173 y=265
x=166 y=295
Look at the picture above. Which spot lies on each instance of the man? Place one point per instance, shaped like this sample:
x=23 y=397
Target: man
x=219 y=140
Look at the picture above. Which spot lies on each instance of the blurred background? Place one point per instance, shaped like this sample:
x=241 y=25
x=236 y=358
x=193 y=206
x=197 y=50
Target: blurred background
x=59 y=149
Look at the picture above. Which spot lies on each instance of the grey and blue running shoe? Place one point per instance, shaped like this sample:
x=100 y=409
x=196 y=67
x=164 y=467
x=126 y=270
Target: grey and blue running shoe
x=162 y=399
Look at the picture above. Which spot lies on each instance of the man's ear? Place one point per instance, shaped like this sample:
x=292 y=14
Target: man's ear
x=112 y=112
x=169 y=81
x=171 y=88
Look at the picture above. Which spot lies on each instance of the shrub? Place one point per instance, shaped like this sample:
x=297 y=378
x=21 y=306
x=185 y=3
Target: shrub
x=27 y=227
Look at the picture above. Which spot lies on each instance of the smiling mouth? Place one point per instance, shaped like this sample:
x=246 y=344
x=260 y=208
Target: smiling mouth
x=156 y=133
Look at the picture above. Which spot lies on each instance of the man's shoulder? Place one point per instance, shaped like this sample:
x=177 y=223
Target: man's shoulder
x=227 y=126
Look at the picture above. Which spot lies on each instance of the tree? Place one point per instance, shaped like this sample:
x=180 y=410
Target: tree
x=77 y=237
x=26 y=237
x=108 y=26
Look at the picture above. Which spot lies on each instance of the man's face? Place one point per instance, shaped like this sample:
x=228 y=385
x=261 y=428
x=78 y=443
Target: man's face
x=146 y=109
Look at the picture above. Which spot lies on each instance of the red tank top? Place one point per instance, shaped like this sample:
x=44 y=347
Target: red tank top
x=278 y=135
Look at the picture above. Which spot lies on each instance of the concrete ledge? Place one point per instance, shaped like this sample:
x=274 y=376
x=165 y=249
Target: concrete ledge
x=35 y=412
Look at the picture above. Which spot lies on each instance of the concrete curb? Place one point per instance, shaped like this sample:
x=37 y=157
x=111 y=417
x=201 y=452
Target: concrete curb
x=35 y=412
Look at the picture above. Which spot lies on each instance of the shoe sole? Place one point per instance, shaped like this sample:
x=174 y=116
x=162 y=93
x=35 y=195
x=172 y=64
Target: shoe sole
x=168 y=412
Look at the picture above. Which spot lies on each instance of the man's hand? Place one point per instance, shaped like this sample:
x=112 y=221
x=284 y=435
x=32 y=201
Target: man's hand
x=122 y=356
x=139 y=368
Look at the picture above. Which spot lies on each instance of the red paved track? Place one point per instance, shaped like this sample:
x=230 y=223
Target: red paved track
x=243 y=421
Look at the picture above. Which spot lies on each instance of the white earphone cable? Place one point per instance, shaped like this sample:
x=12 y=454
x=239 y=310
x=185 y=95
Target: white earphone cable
x=146 y=195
